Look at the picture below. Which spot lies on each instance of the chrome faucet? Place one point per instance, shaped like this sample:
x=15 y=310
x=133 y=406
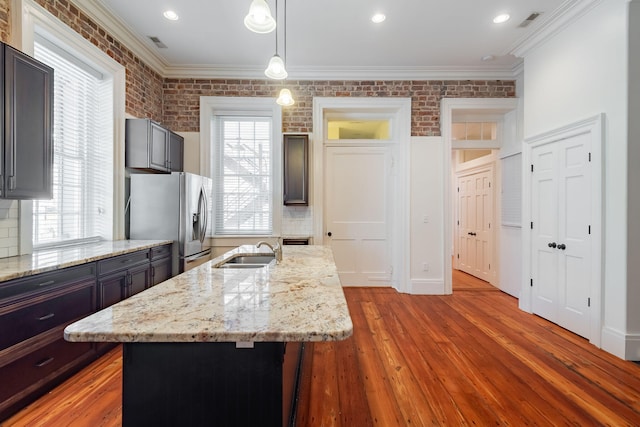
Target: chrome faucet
x=277 y=250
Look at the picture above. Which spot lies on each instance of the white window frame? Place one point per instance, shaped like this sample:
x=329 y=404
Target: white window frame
x=211 y=106
x=29 y=16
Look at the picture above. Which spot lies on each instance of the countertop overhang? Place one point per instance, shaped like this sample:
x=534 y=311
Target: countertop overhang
x=298 y=299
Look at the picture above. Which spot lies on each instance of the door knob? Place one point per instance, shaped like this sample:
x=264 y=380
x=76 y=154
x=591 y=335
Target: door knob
x=552 y=245
x=562 y=246
x=329 y=234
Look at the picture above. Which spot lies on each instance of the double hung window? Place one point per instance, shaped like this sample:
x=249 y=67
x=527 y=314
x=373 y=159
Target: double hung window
x=243 y=168
x=82 y=205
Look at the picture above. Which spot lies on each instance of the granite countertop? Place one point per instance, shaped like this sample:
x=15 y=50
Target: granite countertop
x=299 y=299
x=68 y=256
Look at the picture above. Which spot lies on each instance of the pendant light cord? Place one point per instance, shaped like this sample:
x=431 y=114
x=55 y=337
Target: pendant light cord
x=284 y=59
x=277 y=27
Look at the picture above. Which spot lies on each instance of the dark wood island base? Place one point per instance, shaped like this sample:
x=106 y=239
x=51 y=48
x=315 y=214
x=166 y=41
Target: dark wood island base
x=207 y=384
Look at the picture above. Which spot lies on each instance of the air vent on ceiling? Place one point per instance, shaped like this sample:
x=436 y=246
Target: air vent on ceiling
x=529 y=19
x=157 y=42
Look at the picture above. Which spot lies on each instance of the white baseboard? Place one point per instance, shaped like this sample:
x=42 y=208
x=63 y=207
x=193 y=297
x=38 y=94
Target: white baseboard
x=427 y=287
x=633 y=347
x=614 y=342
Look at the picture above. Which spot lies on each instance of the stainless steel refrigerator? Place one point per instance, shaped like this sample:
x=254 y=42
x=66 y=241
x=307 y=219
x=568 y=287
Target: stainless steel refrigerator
x=176 y=207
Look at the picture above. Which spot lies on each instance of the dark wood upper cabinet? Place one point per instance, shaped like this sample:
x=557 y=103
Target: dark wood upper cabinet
x=150 y=146
x=296 y=170
x=26 y=154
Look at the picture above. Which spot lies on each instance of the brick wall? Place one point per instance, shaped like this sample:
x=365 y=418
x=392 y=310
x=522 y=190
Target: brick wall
x=144 y=86
x=182 y=98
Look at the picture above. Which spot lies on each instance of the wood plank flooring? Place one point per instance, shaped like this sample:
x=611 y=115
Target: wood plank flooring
x=472 y=358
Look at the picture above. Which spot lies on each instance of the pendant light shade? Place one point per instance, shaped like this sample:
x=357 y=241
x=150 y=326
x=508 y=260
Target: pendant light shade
x=285 y=98
x=275 y=69
x=259 y=19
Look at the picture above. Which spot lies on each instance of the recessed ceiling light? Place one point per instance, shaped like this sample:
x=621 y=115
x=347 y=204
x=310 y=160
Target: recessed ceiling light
x=504 y=17
x=378 y=18
x=170 y=15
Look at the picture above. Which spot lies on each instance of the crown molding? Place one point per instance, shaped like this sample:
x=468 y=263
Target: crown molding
x=563 y=16
x=107 y=19
x=349 y=73
x=104 y=17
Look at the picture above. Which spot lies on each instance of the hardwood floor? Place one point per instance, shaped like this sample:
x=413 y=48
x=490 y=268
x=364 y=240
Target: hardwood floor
x=472 y=358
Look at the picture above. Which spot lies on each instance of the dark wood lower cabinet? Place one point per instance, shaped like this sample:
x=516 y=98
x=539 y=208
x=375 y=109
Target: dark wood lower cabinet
x=34 y=356
x=199 y=384
x=34 y=310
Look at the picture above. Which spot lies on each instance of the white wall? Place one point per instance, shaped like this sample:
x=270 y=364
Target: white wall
x=191 y=151
x=426 y=199
x=579 y=73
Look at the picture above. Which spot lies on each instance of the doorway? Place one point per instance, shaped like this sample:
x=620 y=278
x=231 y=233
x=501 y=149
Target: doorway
x=476 y=113
x=361 y=189
x=474 y=230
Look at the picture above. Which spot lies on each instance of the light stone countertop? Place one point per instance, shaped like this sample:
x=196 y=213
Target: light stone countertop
x=299 y=299
x=57 y=258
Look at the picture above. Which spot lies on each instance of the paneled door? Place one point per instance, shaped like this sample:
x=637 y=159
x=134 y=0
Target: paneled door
x=358 y=204
x=475 y=217
x=561 y=243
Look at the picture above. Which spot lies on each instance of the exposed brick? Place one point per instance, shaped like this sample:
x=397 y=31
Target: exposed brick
x=425 y=95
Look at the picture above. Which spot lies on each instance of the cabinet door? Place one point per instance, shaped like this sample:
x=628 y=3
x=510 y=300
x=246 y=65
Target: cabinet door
x=28 y=156
x=158 y=147
x=176 y=149
x=296 y=173
x=160 y=271
x=112 y=289
x=139 y=279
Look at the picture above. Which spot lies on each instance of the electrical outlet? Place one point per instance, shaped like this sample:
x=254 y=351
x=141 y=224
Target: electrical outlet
x=425 y=219
x=425 y=266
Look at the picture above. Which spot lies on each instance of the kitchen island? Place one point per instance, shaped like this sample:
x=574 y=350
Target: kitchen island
x=207 y=347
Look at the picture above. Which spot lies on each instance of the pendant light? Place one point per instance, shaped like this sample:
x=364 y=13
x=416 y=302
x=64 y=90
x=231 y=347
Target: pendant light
x=259 y=19
x=276 y=69
x=285 y=98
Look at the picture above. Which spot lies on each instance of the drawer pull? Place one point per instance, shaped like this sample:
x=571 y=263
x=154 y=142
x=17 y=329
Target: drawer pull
x=45 y=362
x=47 y=317
x=47 y=283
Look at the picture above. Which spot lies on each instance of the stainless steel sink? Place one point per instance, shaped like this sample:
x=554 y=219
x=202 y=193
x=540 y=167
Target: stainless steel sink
x=251 y=259
x=247 y=261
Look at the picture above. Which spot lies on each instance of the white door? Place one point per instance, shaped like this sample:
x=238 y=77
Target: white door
x=475 y=217
x=561 y=252
x=357 y=202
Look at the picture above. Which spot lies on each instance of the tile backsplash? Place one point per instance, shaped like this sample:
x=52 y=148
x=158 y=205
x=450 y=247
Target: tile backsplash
x=297 y=221
x=8 y=228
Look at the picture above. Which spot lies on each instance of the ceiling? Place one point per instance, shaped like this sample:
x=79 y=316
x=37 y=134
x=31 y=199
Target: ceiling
x=336 y=38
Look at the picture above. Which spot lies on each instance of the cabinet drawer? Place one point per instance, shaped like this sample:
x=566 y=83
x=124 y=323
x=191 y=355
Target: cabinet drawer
x=45 y=282
x=160 y=252
x=122 y=262
x=35 y=366
x=31 y=317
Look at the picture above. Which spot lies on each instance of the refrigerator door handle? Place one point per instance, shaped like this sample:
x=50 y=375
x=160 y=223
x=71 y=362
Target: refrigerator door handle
x=202 y=215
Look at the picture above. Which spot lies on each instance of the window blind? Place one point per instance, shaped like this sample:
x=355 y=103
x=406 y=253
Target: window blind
x=244 y=183
x=82 y=206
